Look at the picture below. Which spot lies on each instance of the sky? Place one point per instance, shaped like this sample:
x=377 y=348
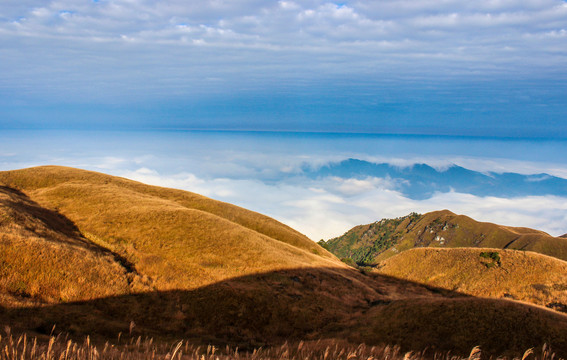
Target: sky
x=481 y=68
x=144 y=89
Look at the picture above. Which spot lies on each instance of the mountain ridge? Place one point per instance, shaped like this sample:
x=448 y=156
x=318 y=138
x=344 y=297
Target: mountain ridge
x=371 y=243
x=421 y=181
x=35 y=179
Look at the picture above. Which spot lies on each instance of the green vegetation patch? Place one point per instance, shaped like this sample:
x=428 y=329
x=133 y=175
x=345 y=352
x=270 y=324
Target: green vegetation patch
x=349 y=262
x=493 y=257
x=363 y=243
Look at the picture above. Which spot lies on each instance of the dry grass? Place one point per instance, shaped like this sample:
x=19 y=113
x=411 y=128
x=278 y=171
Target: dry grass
x=269 y=309
x=43 y=258
x=173 y=239
x=498 y=326
x=520 y=275
x=49 y=177
x=60 y=347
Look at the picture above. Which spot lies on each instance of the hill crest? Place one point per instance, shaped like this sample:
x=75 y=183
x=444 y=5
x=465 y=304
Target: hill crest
x=36 y=180
x=371 y=243
x=174 y=238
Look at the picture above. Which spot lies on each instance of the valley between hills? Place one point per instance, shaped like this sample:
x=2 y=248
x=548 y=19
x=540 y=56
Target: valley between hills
x=88 y=254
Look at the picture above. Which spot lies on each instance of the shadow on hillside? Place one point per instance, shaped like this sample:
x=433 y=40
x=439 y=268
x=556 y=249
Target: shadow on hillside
x=22 y=204
x=307 y=304
x=52 y=225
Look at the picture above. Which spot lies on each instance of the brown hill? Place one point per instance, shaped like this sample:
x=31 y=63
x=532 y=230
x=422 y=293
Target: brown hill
x=44 y=258
x=496 y=273
x=175 y=238
x=369 y=244
x=100 y=255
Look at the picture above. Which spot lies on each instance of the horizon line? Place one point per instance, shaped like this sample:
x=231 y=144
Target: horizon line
x=292 y=131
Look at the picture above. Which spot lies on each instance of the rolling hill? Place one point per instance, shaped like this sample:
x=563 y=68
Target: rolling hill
x=177 y=239
x=369 y=244
x=99 y=255
x=509 y=274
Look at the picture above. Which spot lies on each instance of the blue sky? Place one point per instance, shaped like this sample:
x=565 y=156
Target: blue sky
x=486 y=67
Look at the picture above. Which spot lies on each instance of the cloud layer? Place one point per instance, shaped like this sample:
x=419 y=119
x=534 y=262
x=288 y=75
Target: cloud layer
x=469 y=31
x=327 y=208
x=268 y=172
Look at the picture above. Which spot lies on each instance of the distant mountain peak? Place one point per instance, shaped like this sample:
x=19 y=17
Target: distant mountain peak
x=421 y=181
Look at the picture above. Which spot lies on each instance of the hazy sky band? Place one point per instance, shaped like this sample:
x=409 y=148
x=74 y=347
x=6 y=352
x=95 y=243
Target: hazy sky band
x=433 y=67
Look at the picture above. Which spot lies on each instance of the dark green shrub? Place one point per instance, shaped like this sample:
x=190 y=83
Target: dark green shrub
x=349 y=262
x=491 y=255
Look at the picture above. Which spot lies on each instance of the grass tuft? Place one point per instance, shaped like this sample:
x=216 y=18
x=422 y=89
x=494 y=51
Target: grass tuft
x=60 y=347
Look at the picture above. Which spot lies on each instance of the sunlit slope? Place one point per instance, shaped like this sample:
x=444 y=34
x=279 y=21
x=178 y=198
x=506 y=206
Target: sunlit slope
x=368 y=244
x=175 y=238
x=44 y=259
x=511 y=274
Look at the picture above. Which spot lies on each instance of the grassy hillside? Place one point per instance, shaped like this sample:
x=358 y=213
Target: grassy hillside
x=99 y=255
x=42 y=255
x=175 y=238
x=496 y=273
x=444 y=323
x=364 y=242
x=369 y=244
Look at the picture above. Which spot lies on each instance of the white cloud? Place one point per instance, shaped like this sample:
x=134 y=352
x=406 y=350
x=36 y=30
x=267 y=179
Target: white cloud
x=328 y=208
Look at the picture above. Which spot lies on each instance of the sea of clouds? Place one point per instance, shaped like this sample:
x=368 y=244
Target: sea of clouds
x=272 y=174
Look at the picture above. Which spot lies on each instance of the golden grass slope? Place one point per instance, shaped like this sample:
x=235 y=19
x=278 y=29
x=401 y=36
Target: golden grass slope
x=176 y=239
x=519 y=275
x=44 y=258
x=45 y=177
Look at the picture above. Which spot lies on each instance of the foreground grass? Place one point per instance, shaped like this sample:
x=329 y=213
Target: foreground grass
x=60 y=347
